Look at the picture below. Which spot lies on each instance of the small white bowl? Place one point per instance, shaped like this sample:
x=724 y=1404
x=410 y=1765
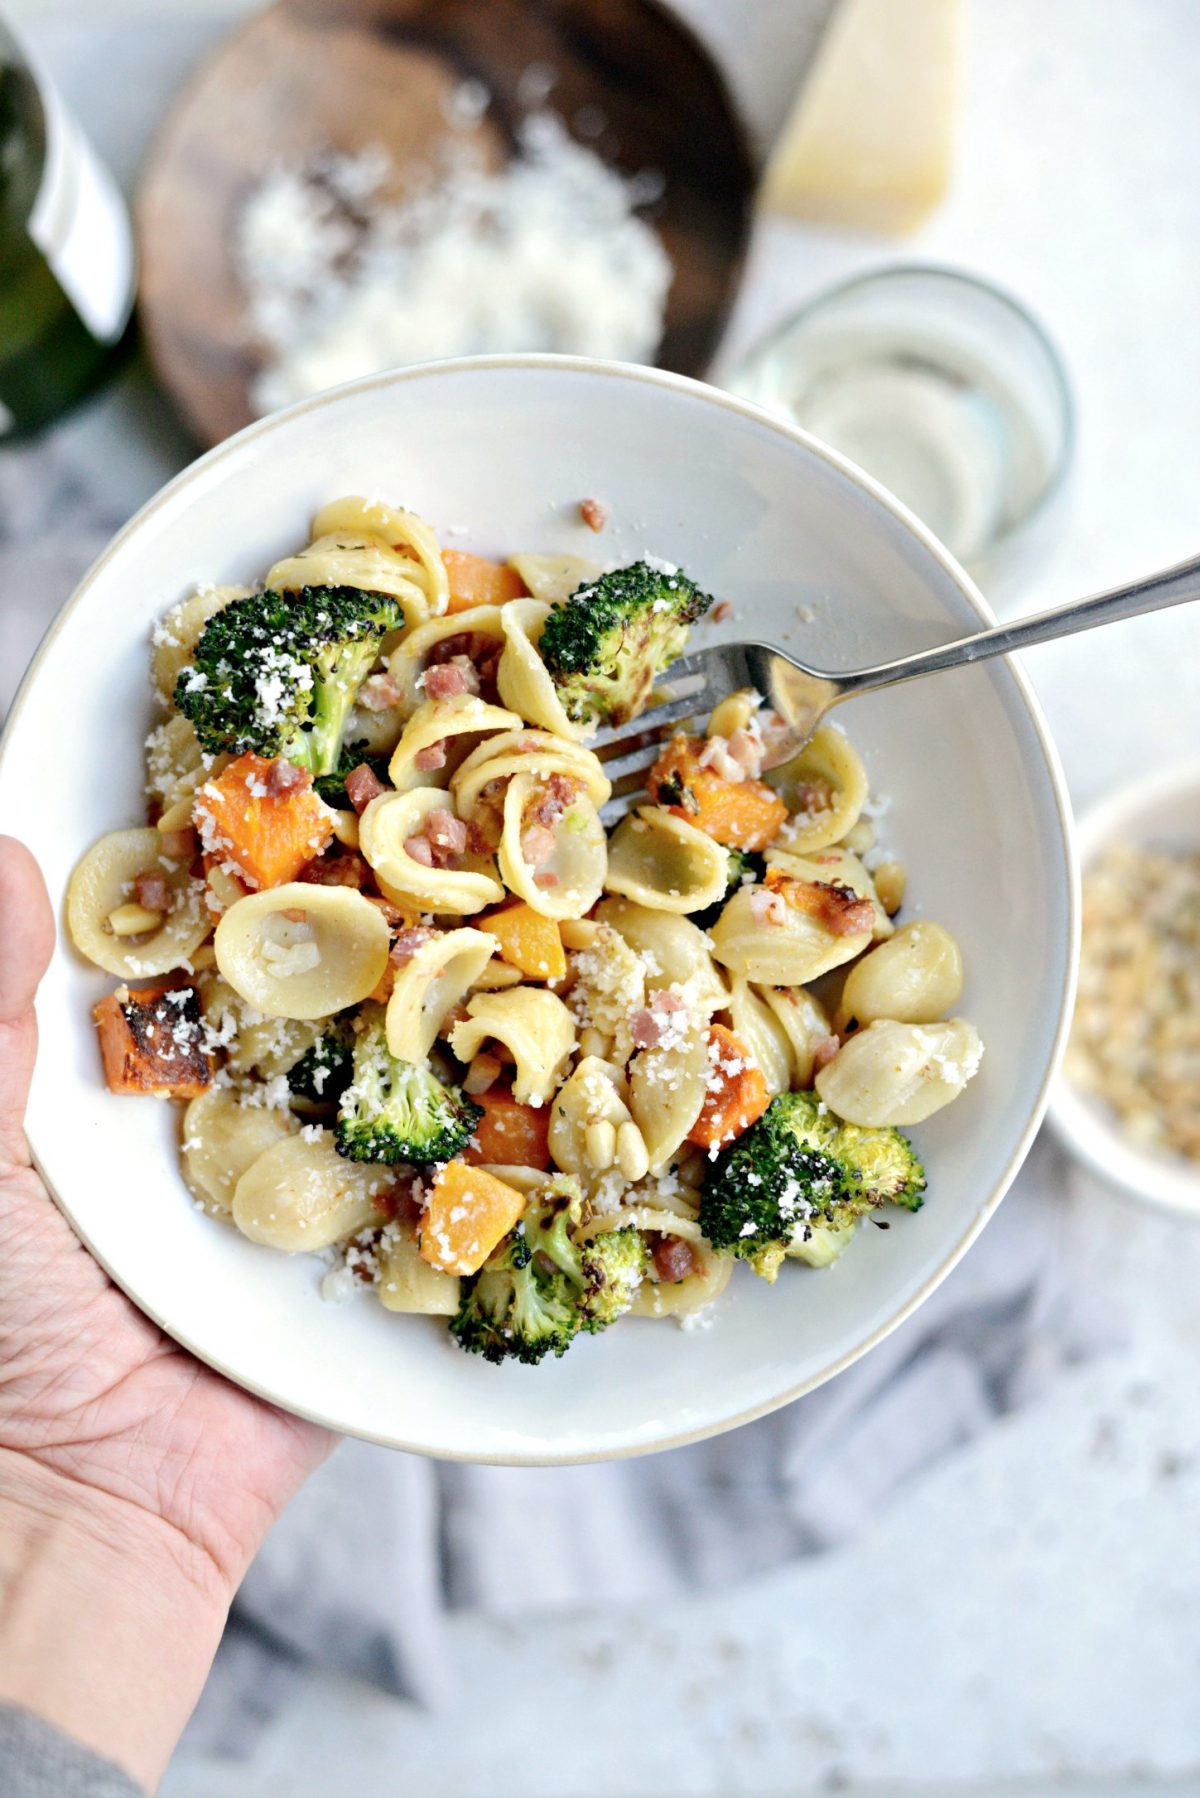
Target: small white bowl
x=497 y=453
x=1162 y=810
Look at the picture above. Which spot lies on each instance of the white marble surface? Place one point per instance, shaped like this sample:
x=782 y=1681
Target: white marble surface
x=1029 y=1615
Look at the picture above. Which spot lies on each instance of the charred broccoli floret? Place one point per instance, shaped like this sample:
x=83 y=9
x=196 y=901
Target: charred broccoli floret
x=798 y=1181
x=607 y=645
x=396 y=1111
x=542 y=1287
x=277 y=672
x=324 y=1071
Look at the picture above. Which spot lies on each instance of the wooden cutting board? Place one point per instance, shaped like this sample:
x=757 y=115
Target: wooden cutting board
x=308 y=75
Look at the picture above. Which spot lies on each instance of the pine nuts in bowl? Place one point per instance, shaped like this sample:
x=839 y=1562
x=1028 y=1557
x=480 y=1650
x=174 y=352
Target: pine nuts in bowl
x=1127 y=1099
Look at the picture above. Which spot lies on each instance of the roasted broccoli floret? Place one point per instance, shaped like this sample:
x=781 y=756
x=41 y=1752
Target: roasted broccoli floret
x=332 y=787
x=798 y=1181
x=542 y=1287
x=607 y=645
x=322 y=1074
x=396 y=1111
x=277 y=672
x=744 y=866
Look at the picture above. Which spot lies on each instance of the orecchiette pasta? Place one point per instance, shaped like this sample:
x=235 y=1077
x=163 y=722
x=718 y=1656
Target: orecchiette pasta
x=825 y=788
x=406 y=1283
x=223 y=1136
x=442 y=727
x=407 y=663
x=554 y=578
x=786 y=944
x=387 y=831
x=533 y=752
x=665 y=863
x=673 y=950
x=804 y=1023
x=524 y=683
x=302 y=1196
x=401 y=531
x=667 y=1085
x=893 y=1073
x=836 y=867
x=346 y=559
x=300 y=951
x=533 y=1025
x=567 y=881
x=104 y=880
x=915 y=977
x=434 y=979
x=590 y=1101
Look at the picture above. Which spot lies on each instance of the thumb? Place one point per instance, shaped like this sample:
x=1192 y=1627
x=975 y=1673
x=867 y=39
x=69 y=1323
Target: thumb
x=26 y=940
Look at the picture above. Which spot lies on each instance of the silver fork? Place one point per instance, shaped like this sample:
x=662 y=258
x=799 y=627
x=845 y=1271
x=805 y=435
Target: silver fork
x=802 y=695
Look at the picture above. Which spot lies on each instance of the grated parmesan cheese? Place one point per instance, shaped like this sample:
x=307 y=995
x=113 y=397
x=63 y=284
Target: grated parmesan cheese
x=544 y=254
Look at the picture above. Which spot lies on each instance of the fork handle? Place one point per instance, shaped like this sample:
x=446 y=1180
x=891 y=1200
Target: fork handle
x=1169 y=587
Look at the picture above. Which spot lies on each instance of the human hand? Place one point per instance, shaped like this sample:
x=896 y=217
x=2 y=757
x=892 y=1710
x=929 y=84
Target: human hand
x=135 y=1484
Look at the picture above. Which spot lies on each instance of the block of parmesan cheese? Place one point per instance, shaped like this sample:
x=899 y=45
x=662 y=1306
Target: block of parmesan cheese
x=869 y=141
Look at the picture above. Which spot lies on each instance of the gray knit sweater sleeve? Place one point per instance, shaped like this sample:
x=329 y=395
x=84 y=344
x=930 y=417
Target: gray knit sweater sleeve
x=38 y=1761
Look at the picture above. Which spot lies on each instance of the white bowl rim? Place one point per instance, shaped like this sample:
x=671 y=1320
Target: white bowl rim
x=881 y=496
x=1150 y=1176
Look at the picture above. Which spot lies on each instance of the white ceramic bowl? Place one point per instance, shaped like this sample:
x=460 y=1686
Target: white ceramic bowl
x=1163 y=811
x=497 y=452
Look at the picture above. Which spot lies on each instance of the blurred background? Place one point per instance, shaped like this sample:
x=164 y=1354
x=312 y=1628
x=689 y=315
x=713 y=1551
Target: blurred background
x=971 y=1565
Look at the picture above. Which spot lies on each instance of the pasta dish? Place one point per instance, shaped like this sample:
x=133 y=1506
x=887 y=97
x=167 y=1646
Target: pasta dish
x=434 y=1019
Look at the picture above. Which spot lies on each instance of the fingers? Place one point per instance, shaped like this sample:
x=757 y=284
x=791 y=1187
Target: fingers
x=26 y=942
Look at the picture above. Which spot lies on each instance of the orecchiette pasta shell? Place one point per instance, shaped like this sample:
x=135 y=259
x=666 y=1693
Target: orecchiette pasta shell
x=554 y=578
x=406 y=1283
x=534 y=1026
x=103 y=880
x=665 y=863
x=535 y=752
x=900 y=1073
x=399 y=530
x=757 y=1027
x=174 y=761
x=667 y=1087
x=576 y=866
x=592 y=1095
x=915 y=977
x=438 y=722
x=804 y=1022
x=222 y=1138
x=669 y=1298
x=789 y=952
x=302 y=1195
x=429 y=985
x=348 y=559
x=824 y=789
x=384 y=828
x=838 y=867
x=524 y=682
x=177 y=632
x=673 y=950
x=308 y=967
x=408 y=662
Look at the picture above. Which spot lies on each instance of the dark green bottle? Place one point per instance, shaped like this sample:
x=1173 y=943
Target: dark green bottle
x=66 y=253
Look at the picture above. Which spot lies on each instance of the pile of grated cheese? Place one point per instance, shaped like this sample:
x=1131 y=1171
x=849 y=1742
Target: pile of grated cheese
x=547 y=253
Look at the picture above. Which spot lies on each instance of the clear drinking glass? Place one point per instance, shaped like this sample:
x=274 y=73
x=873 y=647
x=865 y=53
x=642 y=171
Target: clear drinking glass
x=940 y=385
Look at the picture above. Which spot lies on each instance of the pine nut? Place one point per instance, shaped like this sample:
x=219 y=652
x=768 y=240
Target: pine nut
x=632 y=1158
x=600 y=1144
x=133 y=920
x=594 y=1042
